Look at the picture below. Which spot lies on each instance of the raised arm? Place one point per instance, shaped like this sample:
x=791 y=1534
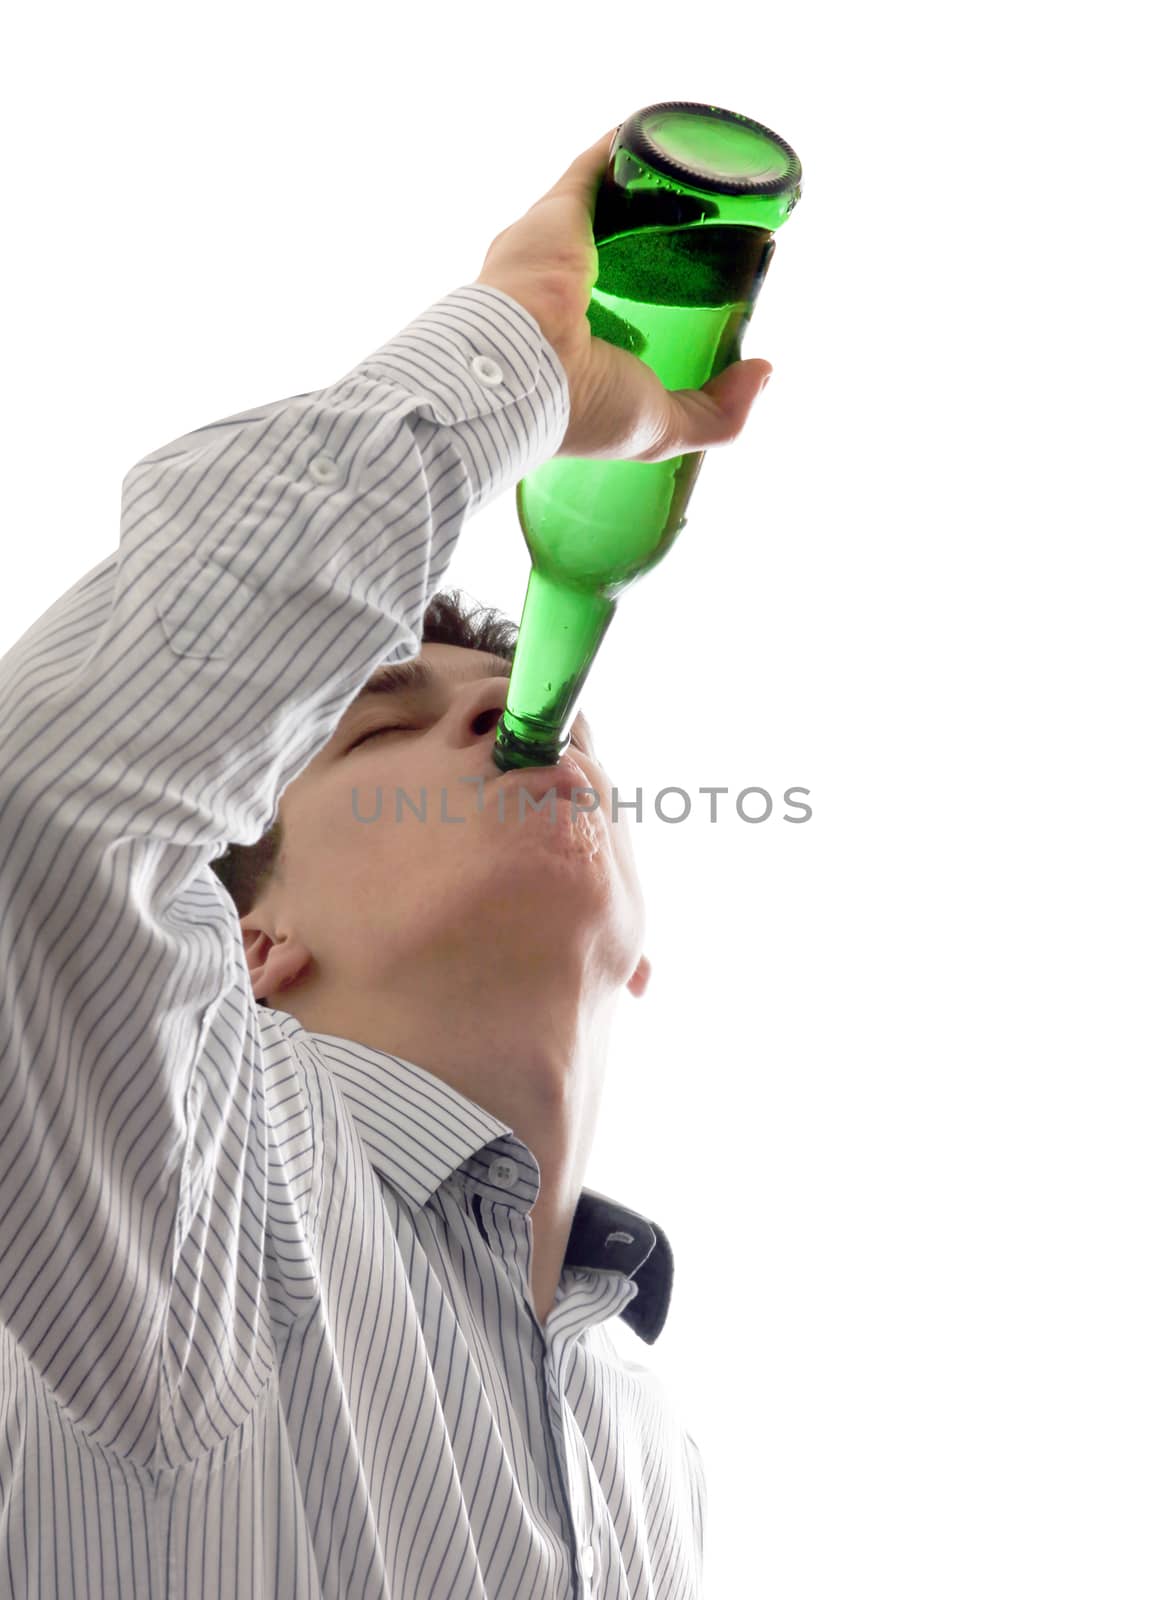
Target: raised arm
x=267 y=563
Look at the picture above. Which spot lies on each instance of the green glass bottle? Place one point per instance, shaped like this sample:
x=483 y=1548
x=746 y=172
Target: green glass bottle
x=684 y=224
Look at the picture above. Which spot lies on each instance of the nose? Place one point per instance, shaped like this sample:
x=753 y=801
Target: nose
x=486 y=721
x=482 y=708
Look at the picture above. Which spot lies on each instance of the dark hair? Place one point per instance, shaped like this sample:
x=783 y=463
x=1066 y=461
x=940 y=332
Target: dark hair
x=245 y=869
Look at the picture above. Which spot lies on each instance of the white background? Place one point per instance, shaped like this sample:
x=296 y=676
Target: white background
x=890 y=1092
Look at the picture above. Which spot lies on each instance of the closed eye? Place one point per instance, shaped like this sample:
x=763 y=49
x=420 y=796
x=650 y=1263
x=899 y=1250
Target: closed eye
x=389 y=727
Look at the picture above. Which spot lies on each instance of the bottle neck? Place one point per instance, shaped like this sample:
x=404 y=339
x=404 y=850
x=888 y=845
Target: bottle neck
x=561 y=629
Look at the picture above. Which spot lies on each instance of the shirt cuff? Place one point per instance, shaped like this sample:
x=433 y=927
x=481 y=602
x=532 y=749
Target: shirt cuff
x=478 y=364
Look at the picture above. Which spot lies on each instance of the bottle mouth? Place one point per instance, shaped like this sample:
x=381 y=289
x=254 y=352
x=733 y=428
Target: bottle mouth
x=711 y=148
x=513 y=750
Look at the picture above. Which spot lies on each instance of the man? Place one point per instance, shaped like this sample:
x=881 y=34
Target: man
x=307 y=1298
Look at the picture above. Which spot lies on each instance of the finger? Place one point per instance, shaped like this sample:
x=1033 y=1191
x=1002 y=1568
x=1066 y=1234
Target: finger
x=585 y=172
x=718 y=412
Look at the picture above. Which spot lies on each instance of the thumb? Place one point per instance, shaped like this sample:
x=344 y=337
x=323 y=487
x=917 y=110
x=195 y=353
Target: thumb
x=718 y=412
x=582 y=177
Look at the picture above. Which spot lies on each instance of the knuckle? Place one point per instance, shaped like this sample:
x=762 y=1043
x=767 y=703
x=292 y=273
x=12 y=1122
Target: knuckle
x=661 y=446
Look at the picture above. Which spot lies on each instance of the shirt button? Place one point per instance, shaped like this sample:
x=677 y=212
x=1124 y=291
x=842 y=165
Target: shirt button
x=323 y=469
x=587 y=1560
x=503 y=1173
x=487 y=371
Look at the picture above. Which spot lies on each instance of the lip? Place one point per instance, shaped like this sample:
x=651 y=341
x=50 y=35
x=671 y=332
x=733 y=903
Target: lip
x=565 y=776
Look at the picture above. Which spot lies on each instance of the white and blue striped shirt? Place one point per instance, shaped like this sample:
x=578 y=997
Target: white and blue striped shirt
x=265 y=1322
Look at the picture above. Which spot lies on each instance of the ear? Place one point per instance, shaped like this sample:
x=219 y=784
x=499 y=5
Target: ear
x=275 y=963
x=639 y=978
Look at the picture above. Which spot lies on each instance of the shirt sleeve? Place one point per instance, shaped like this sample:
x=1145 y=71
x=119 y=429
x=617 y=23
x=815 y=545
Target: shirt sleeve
x=267 y=564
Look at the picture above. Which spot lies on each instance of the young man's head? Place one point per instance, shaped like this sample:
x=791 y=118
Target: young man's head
x=349 y=905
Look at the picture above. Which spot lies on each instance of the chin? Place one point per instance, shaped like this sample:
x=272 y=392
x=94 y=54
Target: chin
x=576 y=845
x=558 y=869
x=567 y=862
x=544 y=892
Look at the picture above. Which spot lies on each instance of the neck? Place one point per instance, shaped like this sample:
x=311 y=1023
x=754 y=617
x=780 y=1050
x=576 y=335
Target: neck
x=525 y=1038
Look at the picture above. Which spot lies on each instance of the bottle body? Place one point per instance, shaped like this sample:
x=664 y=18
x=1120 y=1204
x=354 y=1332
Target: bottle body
x=680 y=266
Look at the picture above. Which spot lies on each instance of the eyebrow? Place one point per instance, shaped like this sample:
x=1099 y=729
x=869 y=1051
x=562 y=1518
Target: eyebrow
x=411 y=677
x=416 y=675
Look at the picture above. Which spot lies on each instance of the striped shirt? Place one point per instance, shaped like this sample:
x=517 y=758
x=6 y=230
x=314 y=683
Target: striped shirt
x=265 y=1316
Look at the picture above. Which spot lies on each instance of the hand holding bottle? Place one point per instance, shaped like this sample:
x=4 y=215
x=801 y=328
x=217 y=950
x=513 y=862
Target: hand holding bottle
x=619 y=408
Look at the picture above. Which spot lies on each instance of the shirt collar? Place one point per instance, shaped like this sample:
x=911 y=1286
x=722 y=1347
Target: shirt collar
x=418 y=1131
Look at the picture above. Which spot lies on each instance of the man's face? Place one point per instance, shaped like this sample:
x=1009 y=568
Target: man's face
x=371 y=891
